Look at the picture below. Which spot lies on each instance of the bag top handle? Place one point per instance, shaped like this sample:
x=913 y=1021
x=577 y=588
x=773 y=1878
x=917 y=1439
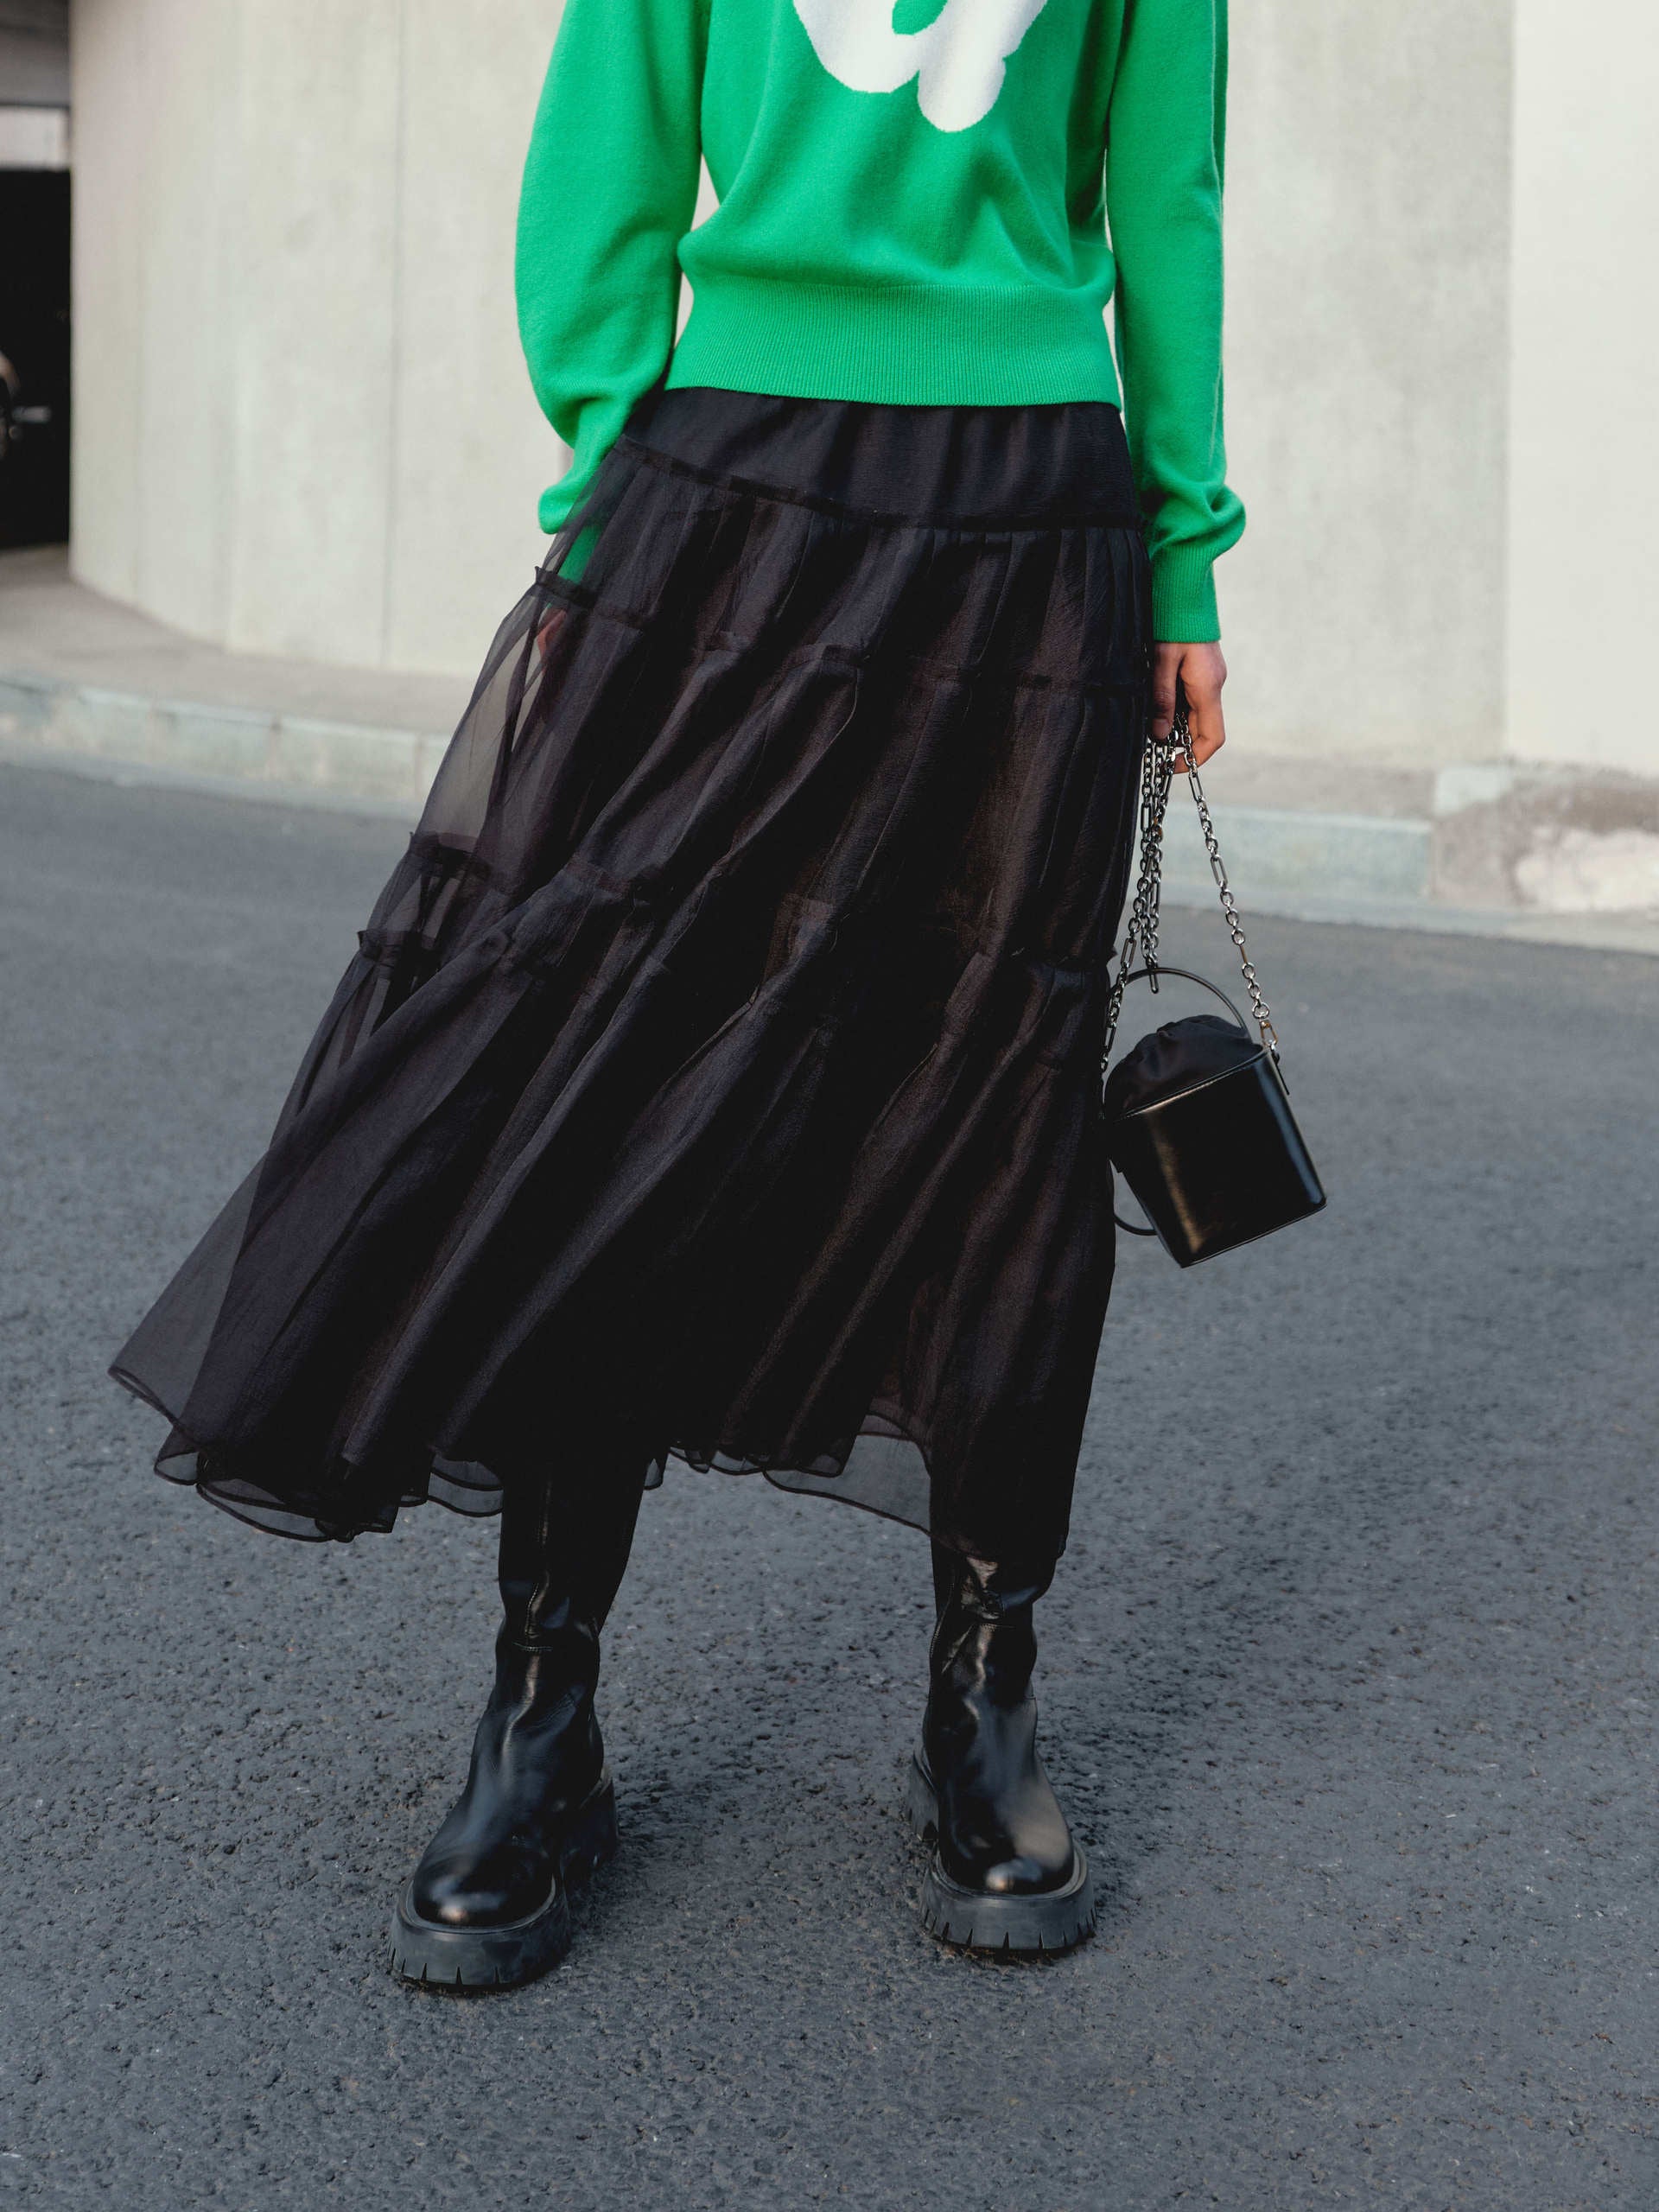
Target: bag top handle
x=1191 y=976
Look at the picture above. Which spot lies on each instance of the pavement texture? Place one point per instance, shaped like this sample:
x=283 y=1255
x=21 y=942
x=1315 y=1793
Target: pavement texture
x=1348 y=1677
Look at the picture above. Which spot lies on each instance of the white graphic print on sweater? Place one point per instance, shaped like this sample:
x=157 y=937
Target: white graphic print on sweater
x=958 y=60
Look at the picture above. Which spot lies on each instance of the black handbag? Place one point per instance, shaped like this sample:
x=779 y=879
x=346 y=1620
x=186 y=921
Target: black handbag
x=1197 y=1116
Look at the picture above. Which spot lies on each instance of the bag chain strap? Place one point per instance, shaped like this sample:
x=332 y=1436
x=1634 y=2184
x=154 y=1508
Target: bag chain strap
x=1141 y=939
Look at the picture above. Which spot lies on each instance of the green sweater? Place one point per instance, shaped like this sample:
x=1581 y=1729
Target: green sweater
x=914 y=200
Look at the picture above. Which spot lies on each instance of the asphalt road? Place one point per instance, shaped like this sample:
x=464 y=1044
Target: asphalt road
x=1348 y=1678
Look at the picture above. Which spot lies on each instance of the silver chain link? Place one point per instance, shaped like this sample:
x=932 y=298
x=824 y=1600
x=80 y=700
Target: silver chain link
x=1141 y=937
x=1229 y=905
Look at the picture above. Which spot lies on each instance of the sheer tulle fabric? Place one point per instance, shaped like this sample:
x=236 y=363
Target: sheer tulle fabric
x=721 y=1059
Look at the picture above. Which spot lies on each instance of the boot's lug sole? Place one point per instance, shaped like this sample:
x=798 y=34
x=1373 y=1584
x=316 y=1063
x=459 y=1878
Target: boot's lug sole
x=447 y=1957
x=1048 y=1921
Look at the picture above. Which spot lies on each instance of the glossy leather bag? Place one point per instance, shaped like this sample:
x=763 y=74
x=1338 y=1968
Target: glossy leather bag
x=1197 y=1116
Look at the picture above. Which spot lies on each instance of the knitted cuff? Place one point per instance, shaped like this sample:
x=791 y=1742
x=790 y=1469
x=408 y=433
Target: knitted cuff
x=1184 y=594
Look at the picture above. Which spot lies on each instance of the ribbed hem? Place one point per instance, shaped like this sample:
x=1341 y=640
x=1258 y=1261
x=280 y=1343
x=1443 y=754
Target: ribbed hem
x=905 y=345
x=1184 y=595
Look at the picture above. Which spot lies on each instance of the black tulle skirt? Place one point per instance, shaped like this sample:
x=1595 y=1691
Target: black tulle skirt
x=718 y=1071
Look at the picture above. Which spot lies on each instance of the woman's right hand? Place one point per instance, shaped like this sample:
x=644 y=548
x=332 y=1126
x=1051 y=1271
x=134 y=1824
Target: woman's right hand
x=1201 y=671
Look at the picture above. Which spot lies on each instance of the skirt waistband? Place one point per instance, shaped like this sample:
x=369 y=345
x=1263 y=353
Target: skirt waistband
x=948 y=464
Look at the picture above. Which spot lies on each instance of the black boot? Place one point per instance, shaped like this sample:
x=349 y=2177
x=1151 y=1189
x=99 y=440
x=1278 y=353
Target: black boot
x=1004 y=1873
x=486 y=1906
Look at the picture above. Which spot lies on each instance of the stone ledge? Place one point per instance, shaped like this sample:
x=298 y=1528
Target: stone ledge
x=298 y=752
x=1517 y=838
x=1481 y=830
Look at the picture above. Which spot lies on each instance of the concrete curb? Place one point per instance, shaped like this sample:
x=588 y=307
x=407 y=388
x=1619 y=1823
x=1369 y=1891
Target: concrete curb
x=1278 y=852
x=1376 y=871
x=230 y=744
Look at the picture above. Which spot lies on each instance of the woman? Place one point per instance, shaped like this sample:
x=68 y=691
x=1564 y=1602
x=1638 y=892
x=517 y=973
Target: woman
x=718 y=1076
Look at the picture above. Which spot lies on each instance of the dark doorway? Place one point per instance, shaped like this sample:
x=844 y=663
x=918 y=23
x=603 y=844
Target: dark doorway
x=34 y=356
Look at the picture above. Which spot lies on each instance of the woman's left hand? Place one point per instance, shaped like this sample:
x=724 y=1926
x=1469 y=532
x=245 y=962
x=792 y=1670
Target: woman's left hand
x=1202 y=672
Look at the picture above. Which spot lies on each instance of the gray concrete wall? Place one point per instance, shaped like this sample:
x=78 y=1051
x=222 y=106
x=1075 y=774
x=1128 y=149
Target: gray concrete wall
x=303 y=425
x=1368 y=241
x=1583 y=548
